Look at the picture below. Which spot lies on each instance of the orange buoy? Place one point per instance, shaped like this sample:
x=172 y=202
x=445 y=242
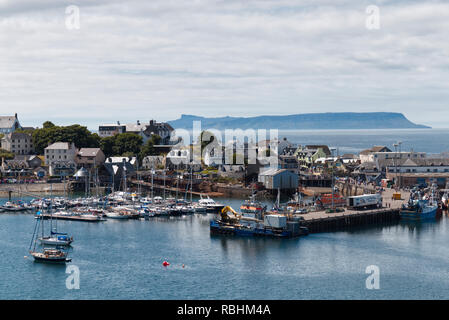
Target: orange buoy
x=165 y=264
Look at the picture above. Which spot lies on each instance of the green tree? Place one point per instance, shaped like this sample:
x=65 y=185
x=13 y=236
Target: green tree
x=127 y=142
x=79 y=135
x=48 y=124
x=148 y=148
x=106 y=145
x=6 y=154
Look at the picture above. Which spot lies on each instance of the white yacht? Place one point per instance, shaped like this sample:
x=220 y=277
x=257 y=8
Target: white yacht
x=210 y=204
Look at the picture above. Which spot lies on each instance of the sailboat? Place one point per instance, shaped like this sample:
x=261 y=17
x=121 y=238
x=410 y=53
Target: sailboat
x=55 y=238
x=58 y=254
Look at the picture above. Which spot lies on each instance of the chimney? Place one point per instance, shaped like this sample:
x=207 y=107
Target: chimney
x=138 y=122
x=151 y=122
x=118 y=122
x=15 y=115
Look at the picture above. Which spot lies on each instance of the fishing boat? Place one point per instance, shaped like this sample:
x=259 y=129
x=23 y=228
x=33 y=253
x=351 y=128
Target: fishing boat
x=419 y=208
x=252 y=208
x=277 y=226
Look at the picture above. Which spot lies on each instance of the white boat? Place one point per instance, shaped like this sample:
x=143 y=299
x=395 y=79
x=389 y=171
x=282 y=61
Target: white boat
x=56 y=239
x=210 y=204
x=13 y=207
x=116 y=215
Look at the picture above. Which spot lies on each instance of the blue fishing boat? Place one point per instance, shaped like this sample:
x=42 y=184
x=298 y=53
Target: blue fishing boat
x=420 y=208
x=277 y=226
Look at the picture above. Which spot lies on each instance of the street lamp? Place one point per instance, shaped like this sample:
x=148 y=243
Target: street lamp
x=332 y=171
x=395 y=145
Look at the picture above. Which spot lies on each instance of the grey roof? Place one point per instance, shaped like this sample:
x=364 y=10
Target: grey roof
x=7 y=121
x=59 y=145
x=136 y=127
x=272 y=172
x=88 y=152
x=18 y=135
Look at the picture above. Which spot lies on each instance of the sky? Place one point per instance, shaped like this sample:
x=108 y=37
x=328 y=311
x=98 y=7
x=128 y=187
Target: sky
x=140 y=60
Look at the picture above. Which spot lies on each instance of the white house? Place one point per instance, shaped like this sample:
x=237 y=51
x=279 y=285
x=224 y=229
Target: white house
x=60 y=158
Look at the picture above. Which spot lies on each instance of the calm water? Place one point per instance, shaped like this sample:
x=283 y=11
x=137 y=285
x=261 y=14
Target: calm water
x=123 y=259
x=353 y=141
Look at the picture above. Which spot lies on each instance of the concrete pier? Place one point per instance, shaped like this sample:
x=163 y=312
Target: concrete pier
x=320 y=221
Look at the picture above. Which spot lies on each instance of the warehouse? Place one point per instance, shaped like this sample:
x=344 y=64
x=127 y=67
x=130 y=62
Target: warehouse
x=278 y=179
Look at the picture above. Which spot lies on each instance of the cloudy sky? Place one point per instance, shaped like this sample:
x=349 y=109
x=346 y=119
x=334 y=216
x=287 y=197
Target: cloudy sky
x=141 y=59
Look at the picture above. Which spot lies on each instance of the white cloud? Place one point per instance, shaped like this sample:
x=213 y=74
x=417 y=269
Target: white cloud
x=160 y=58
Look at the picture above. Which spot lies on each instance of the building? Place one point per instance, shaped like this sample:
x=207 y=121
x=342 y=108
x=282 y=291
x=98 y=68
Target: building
x=145 y=130
x=367 y=155
x=9 y=124
x=162 y=129
x=17 y=143
x=60 y=158
x=109 y=130
x=278 y=179
x=308 y=155
x=410 y=172
x=89 y=157
x=119 y=168
x=153 y=162
x=21 y=165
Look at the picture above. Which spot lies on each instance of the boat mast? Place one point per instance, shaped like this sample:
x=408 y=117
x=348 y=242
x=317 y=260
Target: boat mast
x=191 y=183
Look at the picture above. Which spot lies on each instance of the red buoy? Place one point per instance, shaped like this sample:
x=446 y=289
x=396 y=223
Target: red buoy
x=165 y=264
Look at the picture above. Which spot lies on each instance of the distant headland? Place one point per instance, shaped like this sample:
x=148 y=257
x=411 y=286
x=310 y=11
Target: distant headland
x=306 y=121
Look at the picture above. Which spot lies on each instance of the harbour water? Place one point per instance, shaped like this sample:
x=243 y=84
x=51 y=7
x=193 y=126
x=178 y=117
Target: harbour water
x=123 y=260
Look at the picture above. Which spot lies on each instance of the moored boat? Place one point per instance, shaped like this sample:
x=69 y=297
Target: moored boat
x=419 y=208
x=51 y=255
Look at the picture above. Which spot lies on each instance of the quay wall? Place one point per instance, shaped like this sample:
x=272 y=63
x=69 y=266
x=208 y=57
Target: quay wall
x=345 y=221
x=32 y=188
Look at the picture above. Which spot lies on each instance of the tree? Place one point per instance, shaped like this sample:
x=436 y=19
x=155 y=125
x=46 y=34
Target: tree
x=48 y=125
x=106 y=145
x=148 y=148
x=127 y=142
x=6 y=154
x=50 y=133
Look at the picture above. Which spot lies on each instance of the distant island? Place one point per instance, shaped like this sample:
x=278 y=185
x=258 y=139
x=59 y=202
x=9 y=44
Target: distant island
x=307 y=121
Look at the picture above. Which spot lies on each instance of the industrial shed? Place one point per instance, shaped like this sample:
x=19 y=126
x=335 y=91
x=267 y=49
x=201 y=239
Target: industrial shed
x=278 y=179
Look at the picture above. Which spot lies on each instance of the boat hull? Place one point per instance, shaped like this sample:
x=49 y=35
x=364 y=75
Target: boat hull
x=219 y=228
x=55 y=242
x=40 y=257
x=429 y=213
